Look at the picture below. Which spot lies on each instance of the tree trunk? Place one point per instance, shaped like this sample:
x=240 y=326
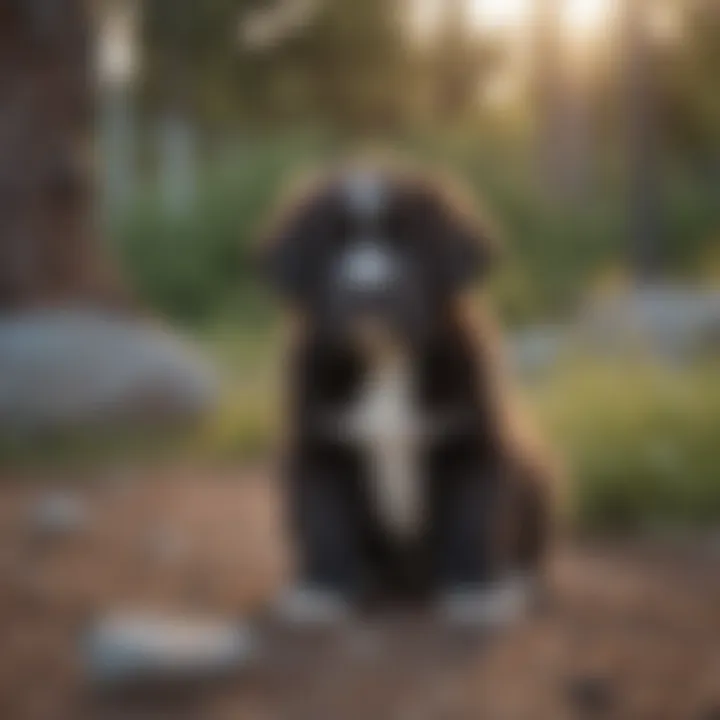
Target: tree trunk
x=49 y=251
x=549 y=90
x=562 y=115
x=643 y=145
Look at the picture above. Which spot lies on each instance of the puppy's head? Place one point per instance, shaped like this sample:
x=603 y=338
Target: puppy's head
x=370 y=247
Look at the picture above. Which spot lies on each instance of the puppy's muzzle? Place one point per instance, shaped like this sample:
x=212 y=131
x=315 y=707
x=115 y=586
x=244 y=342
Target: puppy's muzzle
x=368 y=290
x=366 y=269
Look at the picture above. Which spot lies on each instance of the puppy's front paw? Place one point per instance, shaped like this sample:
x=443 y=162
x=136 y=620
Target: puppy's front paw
x=487 y=606
x=311 y=607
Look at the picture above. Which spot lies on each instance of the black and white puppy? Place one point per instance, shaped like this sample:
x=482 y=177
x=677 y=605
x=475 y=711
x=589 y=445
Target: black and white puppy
x=405 y=476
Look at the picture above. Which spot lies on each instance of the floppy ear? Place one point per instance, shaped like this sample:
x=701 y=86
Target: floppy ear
x=284 y=256
x=470 y=251
x=466 y=247
x=278 y=261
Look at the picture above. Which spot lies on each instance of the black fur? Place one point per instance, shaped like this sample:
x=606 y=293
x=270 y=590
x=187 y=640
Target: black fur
x=486 y=491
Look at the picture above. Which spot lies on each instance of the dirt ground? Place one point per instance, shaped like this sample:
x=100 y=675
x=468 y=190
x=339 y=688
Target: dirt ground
x=632 y=629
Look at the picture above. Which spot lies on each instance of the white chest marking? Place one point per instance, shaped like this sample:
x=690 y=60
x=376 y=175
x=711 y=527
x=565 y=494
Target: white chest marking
x=385 y=424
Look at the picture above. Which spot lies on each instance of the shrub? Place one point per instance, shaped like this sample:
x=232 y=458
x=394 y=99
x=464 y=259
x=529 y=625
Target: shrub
x=640 y=441
x=197 y=267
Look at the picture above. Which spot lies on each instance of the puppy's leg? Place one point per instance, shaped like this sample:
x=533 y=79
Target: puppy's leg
x=466 y=503
x=325 y=527
x=478 y=586
x=534 y=527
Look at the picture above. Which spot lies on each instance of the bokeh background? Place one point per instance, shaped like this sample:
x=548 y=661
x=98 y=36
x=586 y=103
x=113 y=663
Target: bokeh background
x=144 y=142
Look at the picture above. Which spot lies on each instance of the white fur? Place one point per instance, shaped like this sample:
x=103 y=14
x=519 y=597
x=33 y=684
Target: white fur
x=366 y=266
x=384 y=421
x=385 y=424
x=494 y=606
x=365 y=193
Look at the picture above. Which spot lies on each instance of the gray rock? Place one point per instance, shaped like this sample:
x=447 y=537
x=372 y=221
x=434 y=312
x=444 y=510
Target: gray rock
x=75 y=368
x=668 y=321
x=143 y=648
x=58 y=514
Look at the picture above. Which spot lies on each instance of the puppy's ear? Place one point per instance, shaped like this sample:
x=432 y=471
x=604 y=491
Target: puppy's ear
x=467 y=246
x=278 y=259
x=285 y=252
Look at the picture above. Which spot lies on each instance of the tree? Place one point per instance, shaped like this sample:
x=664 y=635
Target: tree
x=459 y=60
x=49 y=252
x=546 y=86
x=642 y=142
x=347 y=64
x=688 y=77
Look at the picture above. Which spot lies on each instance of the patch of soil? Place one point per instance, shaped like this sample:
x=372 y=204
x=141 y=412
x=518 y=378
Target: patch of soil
x=631 y=630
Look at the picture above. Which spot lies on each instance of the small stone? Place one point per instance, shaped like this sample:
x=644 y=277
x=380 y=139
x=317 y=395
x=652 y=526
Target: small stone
x=123 y=648
x=58 y=514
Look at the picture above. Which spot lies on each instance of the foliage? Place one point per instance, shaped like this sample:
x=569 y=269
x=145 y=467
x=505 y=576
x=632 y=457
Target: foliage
x=348 y=65
x=640 y=441
x=601 y=157
x=198 y=266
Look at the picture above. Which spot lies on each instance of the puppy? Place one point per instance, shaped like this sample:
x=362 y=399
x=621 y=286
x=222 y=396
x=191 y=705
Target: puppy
x=407 y=480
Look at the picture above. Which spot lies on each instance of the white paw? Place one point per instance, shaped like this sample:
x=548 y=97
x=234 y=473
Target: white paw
x=490 y=606
x=311 y=607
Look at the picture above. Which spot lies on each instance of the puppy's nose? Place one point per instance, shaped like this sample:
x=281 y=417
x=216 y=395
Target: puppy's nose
x=367 y=268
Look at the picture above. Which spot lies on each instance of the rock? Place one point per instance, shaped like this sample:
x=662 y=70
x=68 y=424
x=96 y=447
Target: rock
x=669 y=321
x=68 y=368
x=143 y=648
x=58 y=514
